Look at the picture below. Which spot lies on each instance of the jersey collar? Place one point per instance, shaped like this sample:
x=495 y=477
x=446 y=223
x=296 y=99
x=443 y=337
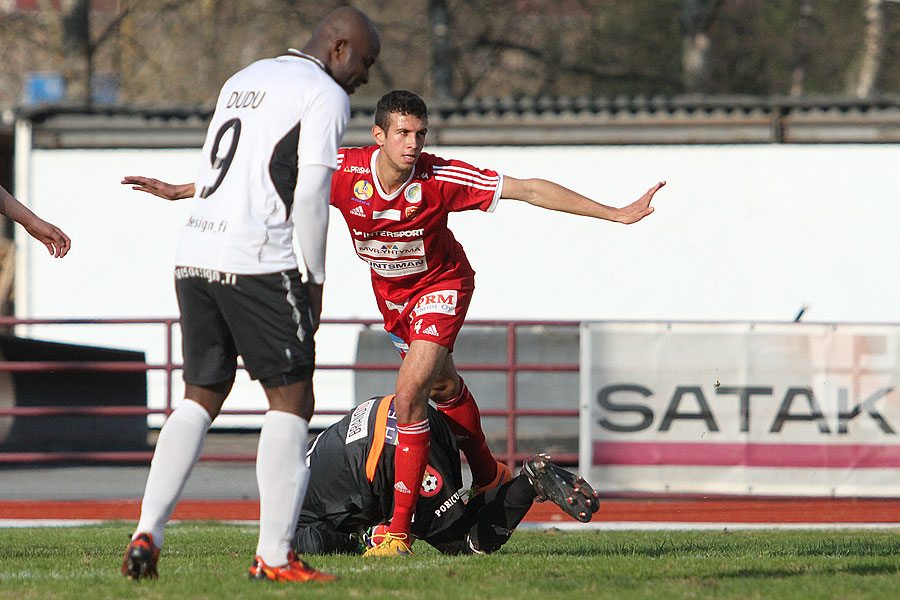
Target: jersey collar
x=298 y=54
x=378 y=184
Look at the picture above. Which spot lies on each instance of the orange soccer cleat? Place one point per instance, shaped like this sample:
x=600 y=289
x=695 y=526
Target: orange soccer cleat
x=294 y=570
x=141 y=557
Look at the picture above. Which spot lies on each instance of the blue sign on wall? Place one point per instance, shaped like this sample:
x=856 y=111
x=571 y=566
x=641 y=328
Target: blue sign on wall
x=104 y=88
x=41 y=88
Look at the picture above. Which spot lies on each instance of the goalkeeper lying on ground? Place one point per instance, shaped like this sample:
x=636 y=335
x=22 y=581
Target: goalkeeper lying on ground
x=351 y=490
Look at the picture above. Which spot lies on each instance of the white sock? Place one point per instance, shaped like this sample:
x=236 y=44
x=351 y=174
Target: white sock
x=281 y=475
x=177 y=450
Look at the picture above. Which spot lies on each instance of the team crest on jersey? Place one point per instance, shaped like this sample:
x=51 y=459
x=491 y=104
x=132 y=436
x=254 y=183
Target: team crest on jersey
x=413 y=193
x=432 y=482
x=411 y=212
x=363 y=189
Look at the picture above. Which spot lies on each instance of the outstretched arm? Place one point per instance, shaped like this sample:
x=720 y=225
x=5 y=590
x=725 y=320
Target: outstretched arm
x=159 y=188
x=552 y=196
x=57 y=242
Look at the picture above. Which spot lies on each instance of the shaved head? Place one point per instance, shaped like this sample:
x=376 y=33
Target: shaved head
x=347 y=43
x=345 y=22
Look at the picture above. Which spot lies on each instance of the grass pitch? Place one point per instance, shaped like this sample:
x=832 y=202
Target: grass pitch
x=210 y=560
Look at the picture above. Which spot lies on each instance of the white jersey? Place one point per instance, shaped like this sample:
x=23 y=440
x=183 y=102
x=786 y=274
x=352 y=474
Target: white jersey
x=270 y=118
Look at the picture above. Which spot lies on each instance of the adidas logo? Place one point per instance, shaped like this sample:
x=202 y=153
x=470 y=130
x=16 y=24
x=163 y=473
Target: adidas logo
x=431 y=330
x=401 y=487
x=358 y=211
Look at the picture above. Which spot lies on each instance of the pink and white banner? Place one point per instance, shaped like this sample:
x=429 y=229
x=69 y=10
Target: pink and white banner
x=759 y=409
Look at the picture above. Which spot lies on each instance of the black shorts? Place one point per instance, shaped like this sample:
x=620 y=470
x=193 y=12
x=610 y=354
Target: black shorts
x=263 y=318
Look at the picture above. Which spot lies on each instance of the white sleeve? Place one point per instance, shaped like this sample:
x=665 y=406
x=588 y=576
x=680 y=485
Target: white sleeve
x=322 y=128
x=311 y=217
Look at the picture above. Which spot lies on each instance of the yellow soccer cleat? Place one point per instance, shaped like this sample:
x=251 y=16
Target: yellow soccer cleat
x=393 y=544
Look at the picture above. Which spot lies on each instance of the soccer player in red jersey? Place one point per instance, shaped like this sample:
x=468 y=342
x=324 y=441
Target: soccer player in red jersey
x=395 y=200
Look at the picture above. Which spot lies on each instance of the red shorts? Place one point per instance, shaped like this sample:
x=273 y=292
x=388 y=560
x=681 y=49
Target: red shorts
x=435 y=315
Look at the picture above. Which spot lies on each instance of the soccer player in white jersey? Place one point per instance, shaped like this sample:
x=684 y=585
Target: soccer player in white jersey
x=396 y=199
x=266 y=169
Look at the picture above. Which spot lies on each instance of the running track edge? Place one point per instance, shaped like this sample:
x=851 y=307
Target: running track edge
x=719 y=510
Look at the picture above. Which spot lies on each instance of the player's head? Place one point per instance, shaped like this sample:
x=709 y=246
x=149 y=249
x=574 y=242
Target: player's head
x=401 y=122
x=399 y=102
x=347 y=43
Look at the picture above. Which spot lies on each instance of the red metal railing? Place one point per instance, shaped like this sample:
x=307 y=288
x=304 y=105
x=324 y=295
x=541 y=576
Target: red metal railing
x=510 y=367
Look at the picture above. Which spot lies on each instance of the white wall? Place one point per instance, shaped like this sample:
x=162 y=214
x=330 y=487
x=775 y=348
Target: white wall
x=740 y=233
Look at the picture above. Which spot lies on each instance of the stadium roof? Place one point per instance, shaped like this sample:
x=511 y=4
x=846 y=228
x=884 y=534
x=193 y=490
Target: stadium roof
x=522 y=121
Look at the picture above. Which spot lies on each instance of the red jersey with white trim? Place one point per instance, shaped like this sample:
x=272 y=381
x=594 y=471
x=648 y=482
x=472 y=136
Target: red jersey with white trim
x=404 y=236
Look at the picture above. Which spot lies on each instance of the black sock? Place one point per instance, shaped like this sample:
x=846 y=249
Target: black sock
x=504 y=509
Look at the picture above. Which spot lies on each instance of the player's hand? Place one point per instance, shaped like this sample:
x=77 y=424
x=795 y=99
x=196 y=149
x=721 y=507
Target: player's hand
x=57 y=242
x=639 y=209
x=164 y=190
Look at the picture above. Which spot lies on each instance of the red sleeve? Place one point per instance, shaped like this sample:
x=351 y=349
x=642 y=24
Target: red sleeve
x=464 y=187
x=334 y=185
x=339 y=175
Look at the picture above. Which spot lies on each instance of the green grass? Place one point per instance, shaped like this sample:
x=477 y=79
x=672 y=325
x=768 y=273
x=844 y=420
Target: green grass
x=210 y=560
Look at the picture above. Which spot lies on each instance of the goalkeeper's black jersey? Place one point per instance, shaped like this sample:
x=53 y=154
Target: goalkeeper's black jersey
x=352 y=473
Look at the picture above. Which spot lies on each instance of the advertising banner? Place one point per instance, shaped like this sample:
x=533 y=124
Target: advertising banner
x=752 y=409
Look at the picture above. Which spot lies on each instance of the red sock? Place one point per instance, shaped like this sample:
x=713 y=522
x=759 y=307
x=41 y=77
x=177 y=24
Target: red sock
x=465 y=422
x=410 y=458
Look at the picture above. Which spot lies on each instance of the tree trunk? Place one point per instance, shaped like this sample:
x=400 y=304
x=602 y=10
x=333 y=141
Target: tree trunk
x=77 y=59
x=801 y=49
x=873 y=48
x=441 y=51
x=696 y=18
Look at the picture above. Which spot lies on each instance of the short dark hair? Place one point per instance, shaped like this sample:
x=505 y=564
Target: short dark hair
x=401 y=102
